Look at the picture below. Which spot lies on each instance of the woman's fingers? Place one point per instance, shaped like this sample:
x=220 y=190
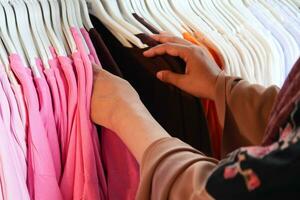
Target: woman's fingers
x=171 y=49
x=171 y=78
x=168 y=38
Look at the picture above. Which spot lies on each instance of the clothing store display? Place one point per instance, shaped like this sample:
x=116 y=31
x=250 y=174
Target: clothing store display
x=248 y=172
x=238 y=146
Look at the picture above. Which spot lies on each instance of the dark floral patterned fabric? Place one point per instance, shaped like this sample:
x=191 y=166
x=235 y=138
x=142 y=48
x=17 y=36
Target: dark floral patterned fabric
x=262 y=172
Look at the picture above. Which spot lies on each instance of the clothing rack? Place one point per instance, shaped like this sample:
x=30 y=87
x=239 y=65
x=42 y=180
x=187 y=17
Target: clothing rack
x=50 y=149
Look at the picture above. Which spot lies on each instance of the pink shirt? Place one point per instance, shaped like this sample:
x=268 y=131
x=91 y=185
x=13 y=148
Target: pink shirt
x=47 y=115
x=49 y=74
x=62 y=89
x=10 y=162
x=83 y=68
x=11 y=185
x=16 y=127
x=70 y=152
x=90 y=45
x=42 y=182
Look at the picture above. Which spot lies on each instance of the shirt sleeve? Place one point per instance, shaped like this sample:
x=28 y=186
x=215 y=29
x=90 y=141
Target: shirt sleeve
x=171 y=169
x=242 y=107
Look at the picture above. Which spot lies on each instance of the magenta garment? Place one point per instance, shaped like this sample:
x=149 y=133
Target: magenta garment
x=50 y=76
x=122 y=170
x=16 y=127
x=62 y=89
x=90 y=151
x=90 y=45
x=42 y=182
x=121 y=167
x=47 y=115
x=71 y=153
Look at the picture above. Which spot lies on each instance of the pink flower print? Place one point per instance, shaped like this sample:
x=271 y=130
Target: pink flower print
x=260 y=152
x=231 y=171
x=286 y=131
x=252 y=180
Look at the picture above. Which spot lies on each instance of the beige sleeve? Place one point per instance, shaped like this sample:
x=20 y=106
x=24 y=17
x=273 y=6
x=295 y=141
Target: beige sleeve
x=171 y=169
x=243 y=111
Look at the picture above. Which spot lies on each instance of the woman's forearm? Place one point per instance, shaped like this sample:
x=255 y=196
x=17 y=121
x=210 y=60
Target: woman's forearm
x=138 y=129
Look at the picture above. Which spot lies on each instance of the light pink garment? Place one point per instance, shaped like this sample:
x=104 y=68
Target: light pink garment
x=11 y=184
x=20 y=102
x=90 y=45
x=95 y=188
x=42 y=182
x=10 y=162
x=47 y=115
x=16 y=127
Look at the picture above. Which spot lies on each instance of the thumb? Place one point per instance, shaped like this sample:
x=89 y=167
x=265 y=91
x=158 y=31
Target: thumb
x=171 y=78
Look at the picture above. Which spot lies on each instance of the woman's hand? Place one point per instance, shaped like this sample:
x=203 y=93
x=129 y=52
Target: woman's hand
x=113 y=98
x=117 y=106
x=201 y=71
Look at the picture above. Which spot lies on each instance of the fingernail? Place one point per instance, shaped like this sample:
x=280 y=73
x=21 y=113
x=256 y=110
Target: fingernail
x=159 y=75
x=146 y=53
x=153 y=36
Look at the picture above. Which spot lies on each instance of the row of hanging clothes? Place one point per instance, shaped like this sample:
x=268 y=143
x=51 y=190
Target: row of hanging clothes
x=49 y=147
x=257 y=40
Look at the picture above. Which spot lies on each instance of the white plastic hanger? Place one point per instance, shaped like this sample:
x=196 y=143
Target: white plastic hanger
x=66 y=27
x=200 y=14
x=26 y=36
x=172 y=20
x=41 y=29
x=4 y=33
x=212 y=22
x=113 y=9
x=12 y=29
x=275 y=56
x=141 y=9
x=77 y=11
x=256 y=53
x=85 y=15
x=50 y=32
x=127 y=11
x=217 y=16
x=161 y=19
x=57 y=24
x=5 y=63
x=168 y=9
x=74 y=9
x=34 y=29
x=292 y=7
x=97 y=9
x=1 y=63
x=225 y=10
